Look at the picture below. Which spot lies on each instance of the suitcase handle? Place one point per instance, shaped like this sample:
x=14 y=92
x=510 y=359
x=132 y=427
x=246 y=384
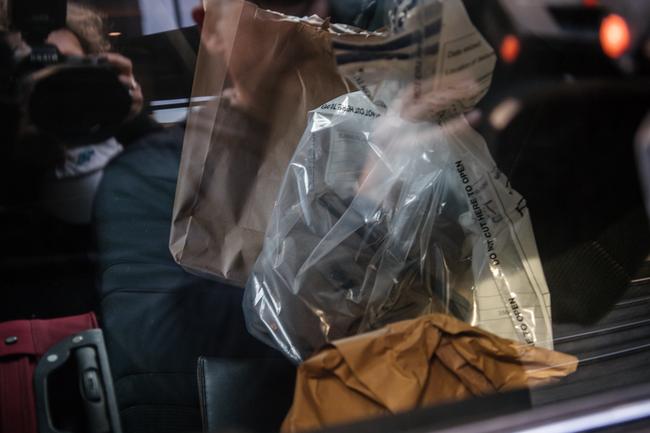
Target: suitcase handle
x=95 y=382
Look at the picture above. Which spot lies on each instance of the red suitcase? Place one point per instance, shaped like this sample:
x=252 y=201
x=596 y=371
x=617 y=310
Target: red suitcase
x=22 y=344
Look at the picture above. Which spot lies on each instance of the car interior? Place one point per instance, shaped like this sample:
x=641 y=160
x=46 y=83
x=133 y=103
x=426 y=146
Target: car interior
x=565 y=122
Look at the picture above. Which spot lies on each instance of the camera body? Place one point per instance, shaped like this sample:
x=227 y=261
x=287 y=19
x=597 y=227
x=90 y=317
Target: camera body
x=70 y=99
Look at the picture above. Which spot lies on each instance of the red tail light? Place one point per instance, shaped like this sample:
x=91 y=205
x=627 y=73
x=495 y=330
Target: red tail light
x=510 y=48
x=614 y=36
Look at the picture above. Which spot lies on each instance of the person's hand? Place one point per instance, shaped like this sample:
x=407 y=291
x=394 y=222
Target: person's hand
x=124 y=69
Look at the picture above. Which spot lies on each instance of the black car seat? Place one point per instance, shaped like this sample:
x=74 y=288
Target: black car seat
x=158 y=319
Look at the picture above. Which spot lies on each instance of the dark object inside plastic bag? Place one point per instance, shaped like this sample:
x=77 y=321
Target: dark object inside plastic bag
x=384 y=235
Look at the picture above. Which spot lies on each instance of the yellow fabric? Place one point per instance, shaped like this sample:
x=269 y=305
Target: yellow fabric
x=414 y=363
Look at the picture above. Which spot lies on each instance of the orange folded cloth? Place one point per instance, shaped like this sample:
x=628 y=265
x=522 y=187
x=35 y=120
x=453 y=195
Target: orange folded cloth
x=414 y=363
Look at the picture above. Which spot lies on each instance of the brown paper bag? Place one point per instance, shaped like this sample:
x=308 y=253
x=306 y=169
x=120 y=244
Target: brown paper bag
x=264 y=72
x=414 y=363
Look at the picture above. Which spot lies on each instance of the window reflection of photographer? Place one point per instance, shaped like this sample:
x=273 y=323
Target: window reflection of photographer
x=52 y=159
